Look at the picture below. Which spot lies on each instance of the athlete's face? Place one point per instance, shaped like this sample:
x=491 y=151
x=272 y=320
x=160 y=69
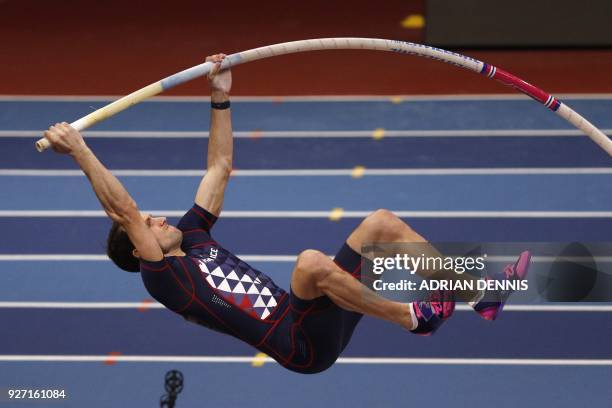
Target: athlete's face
x=168 y=236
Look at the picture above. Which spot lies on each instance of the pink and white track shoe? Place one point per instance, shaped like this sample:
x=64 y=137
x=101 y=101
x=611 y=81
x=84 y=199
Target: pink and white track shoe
x=491 y=303
x=432 y=312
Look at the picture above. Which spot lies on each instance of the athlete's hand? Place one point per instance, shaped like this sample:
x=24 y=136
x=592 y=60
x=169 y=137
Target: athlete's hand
x=64 y=138
x=220 y=80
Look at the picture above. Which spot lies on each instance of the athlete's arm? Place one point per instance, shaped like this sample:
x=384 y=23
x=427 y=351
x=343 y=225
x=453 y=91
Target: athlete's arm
x=219 y=161
x=114 y=198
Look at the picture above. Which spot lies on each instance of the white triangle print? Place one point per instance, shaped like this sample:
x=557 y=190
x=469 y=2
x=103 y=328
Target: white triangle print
x=224 y=286
x=210 y=281
x=203 y=267
x=265 y=314
x=246 y=278
x=259 y=302
x=253 y=290
x=218 y=272
x=271 y=302
x=239 y=288
x=232 y=275
x=266 y=292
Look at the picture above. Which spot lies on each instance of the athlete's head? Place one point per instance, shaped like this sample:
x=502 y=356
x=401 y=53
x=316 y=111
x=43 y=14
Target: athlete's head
x=122 y=252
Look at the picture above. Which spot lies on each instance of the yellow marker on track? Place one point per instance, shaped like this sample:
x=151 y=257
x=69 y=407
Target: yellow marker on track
x=145 y=305
x=397 y=99
x=414 y=21
x=336 y=214
x=378 y=133
x=259 y=359
x=358 y=172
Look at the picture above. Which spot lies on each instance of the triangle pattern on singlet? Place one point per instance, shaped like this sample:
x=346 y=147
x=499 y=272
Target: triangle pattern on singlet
x=224 y=286
x=259 y=302
x=203 y=267
x=239 y=288
x=227 y=269
x=216 y=280
x=253 y=290
x=233 y=278
x=262 y=311
x=271 y=302
x=252 y=298
x=218 y=272
x=232 y=284
x=232 y=275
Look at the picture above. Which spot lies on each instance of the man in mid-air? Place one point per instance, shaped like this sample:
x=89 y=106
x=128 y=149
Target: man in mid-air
x=185 y=269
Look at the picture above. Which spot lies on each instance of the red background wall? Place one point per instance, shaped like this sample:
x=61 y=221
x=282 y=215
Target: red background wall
x=113 y=47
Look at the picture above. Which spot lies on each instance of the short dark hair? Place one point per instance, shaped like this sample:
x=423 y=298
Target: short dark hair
x=120 y=249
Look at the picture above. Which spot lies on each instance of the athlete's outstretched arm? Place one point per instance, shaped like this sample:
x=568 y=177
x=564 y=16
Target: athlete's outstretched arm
x=114 y=198
x=220 y=150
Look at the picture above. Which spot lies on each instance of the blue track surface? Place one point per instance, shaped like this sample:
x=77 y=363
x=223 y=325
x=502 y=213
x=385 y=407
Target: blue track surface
x=536 y=335
x=58 y=331
x=360 y=115
x=289 y=153
x=364 y=386
x=564 y=192
x=243 y=235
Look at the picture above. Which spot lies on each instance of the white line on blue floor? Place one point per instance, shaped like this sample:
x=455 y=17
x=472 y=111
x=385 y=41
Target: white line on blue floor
x=154 y=305
x=307 y=134
x=341 y=360
x=322 y=214
x=529 y=171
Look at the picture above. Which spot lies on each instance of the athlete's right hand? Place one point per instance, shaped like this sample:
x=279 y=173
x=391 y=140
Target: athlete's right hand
x=220 y=80
x=64 y=138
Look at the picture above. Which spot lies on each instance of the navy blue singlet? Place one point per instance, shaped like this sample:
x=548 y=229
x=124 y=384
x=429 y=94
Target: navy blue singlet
x=212 y=287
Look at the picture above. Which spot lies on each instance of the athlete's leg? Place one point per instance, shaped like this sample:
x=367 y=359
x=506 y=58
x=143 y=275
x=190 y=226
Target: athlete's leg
x=316 y=275
x=383 y=226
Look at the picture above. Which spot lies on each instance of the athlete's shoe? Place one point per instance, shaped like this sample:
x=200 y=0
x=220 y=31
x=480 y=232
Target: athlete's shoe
x=432 y=312
x=491 y=303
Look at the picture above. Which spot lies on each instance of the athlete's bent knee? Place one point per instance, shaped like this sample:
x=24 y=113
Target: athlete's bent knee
x=313 y=263
x=385 y=225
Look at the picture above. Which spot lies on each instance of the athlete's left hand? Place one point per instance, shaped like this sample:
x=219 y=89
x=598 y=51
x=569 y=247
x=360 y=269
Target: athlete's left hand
x=220 y=80
x=64 y=138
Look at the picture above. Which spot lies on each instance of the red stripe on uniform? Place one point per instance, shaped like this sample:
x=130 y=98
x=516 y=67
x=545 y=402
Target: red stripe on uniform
x=202 y=216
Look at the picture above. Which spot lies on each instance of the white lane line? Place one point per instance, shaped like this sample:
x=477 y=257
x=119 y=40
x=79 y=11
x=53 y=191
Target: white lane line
x=154 y=305
x=99 y=257
x=53 y=257
x=265 y=258
x=341 y=360
x=323 y=214
x=307 y=134
x=323 y=172
x=303 y=98
x=80 y=305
